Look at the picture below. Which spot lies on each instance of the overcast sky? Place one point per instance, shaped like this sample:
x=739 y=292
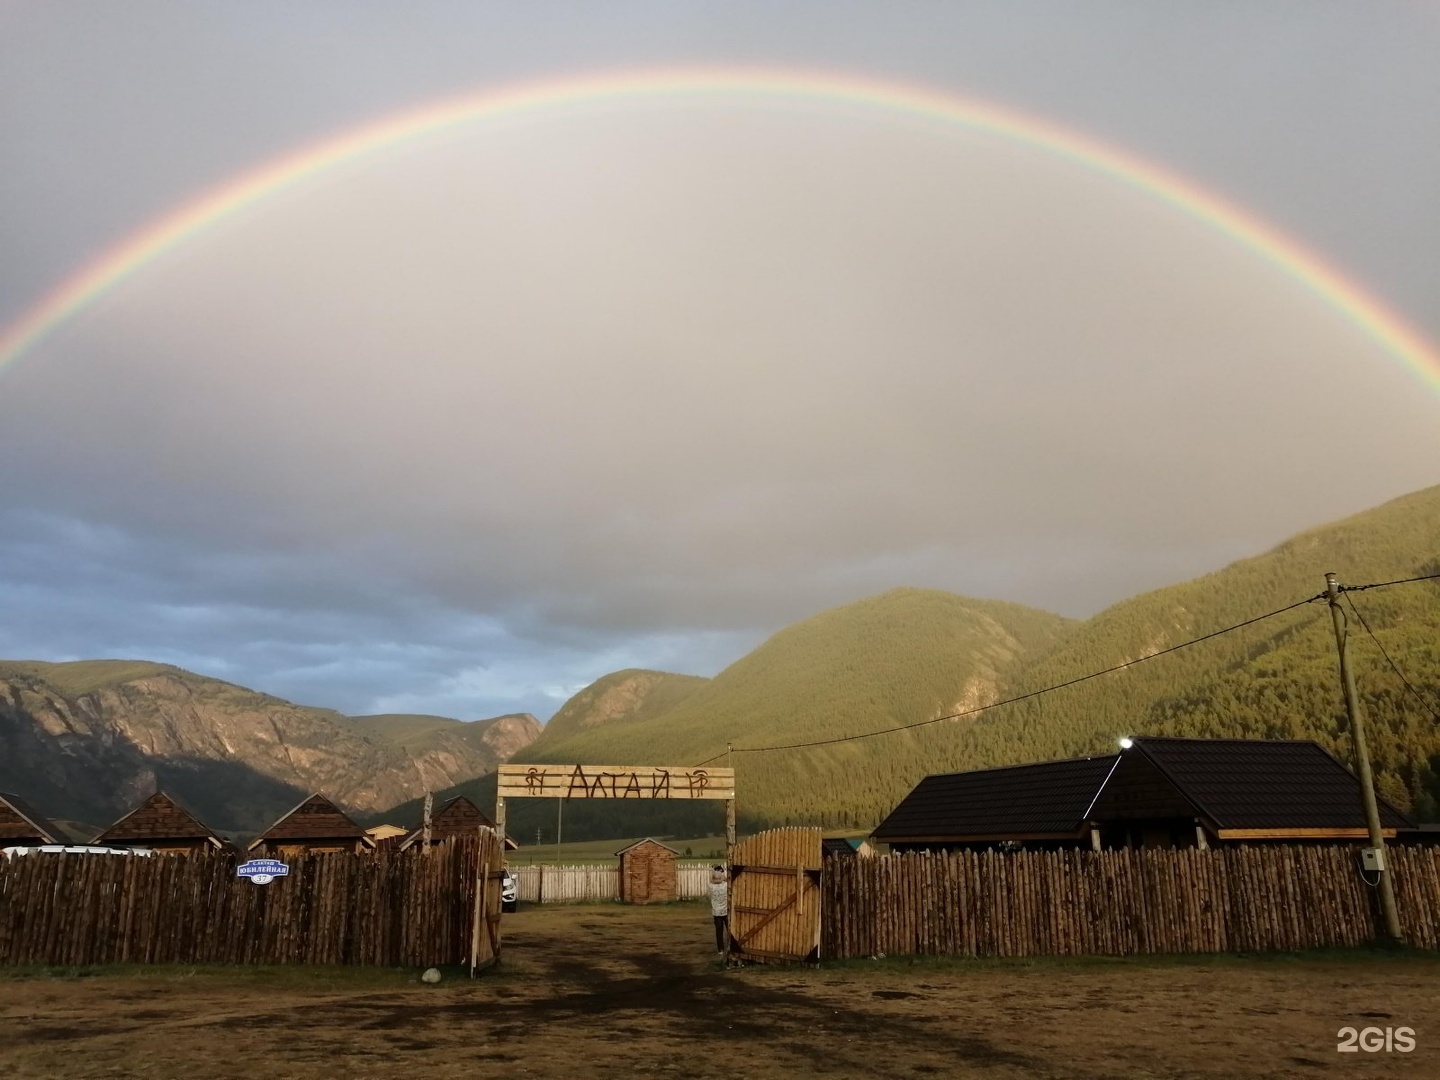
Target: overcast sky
x=461 y=427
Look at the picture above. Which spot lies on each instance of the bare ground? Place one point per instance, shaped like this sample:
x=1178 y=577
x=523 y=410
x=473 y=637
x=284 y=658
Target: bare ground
x=607 y=990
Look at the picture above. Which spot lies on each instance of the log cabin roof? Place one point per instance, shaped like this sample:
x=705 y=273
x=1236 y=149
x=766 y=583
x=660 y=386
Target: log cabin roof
x=317 y=818
x=1045 y=799
x=20 y=821
x=458 y=815
x=159 y=817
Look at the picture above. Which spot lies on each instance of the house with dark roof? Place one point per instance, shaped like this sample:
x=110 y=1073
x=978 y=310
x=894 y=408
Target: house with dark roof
x=22 y=826
x=1157 y=792
x=456 y=817
x=162 y=824
x=316 y=825
x=1040 y=805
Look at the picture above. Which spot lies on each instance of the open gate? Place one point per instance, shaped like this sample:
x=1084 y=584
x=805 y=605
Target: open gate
x=485 y=919
x=775 y=896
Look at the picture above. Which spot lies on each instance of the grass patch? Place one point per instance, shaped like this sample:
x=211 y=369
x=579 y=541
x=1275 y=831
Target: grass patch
x=276 y=976
x=1360 y=956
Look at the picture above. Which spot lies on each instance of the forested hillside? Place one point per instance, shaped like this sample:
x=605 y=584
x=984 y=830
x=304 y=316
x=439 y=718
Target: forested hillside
x=628 y=696
x=908 y=652
x=1276 y=679
x=912 y=655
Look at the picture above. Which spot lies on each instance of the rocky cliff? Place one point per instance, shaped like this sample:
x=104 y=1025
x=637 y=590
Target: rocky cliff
x=87 y=741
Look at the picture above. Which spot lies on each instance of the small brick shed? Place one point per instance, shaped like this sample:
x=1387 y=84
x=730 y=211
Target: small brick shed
x=647 y=872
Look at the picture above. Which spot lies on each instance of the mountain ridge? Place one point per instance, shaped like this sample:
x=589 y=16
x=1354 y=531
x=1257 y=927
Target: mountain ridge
x=88 y=740
x=907 y=658
x=1273 y=679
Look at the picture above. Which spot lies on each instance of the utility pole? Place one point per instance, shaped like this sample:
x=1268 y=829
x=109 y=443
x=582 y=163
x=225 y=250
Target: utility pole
x=425 y=822
x=1362 y=758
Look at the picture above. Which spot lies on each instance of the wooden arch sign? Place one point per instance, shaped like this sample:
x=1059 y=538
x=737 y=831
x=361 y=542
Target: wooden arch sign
x=617 y=782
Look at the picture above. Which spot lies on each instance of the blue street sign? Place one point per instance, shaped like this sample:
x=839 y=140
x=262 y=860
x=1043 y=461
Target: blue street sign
x=262 y=871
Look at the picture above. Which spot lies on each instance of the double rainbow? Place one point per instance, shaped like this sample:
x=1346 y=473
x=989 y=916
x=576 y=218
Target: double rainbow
x=122 y=261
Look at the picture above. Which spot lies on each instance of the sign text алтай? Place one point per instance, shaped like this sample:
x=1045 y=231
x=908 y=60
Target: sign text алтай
x=614 y=782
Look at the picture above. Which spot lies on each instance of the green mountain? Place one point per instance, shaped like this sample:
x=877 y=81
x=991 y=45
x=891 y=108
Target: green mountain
x=86 y=741
x=623 y=697
x=1275 y=679
x=911 y=655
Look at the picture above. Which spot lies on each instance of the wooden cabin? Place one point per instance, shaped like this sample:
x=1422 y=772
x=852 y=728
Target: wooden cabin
x=1157 y=792
x=647 y=873
x=162 y=824
x=456 y=817
x=841 y=847
x=22 y=826
x=386 y=835
x=316 y=825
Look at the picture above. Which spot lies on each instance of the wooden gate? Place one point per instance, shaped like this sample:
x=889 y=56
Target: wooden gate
x=775 y=896
x=485 y=925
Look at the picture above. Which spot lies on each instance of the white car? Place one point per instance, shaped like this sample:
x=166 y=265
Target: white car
x=509 y=888
x=76 y=849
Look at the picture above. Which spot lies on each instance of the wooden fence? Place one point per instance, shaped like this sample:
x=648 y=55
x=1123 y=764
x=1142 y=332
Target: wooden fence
x=414 y=908
x=566 y=884
x=692 y=881
x=1117 y=903
x=574 y=884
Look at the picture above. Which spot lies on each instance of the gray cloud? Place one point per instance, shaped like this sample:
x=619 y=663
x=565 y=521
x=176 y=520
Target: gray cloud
x=462 y=428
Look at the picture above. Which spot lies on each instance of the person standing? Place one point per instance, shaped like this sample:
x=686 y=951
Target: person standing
x=720 y=906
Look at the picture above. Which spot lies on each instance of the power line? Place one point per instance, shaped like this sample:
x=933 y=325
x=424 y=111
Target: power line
x=1393 y=666
x=1020 y=697
x=1383 y=584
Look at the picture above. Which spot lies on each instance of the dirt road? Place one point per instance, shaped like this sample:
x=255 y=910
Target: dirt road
x=609 y=990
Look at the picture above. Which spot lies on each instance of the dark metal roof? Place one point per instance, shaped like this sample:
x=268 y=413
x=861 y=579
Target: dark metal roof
x=1264 y=784
x=1254 y=784
x=1020 y=800
x=159 y=817
x=19 y=821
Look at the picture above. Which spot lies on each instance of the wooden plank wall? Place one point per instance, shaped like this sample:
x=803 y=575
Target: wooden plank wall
x=1070 y=903
x=576 y=884
x=394 y=909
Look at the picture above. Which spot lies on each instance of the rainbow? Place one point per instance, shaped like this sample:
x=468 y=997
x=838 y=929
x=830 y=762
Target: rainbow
x=121 y=262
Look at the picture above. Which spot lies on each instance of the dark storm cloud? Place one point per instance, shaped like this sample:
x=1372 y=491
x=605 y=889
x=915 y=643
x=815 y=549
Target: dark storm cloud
x=464 y=428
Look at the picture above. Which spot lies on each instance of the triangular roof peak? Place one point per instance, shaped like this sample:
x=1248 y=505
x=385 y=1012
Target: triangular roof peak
x=316 y=818
x=22 y=819
x=456 y=816
x=646 y=840
x=1262 y=784
x=160 y=817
